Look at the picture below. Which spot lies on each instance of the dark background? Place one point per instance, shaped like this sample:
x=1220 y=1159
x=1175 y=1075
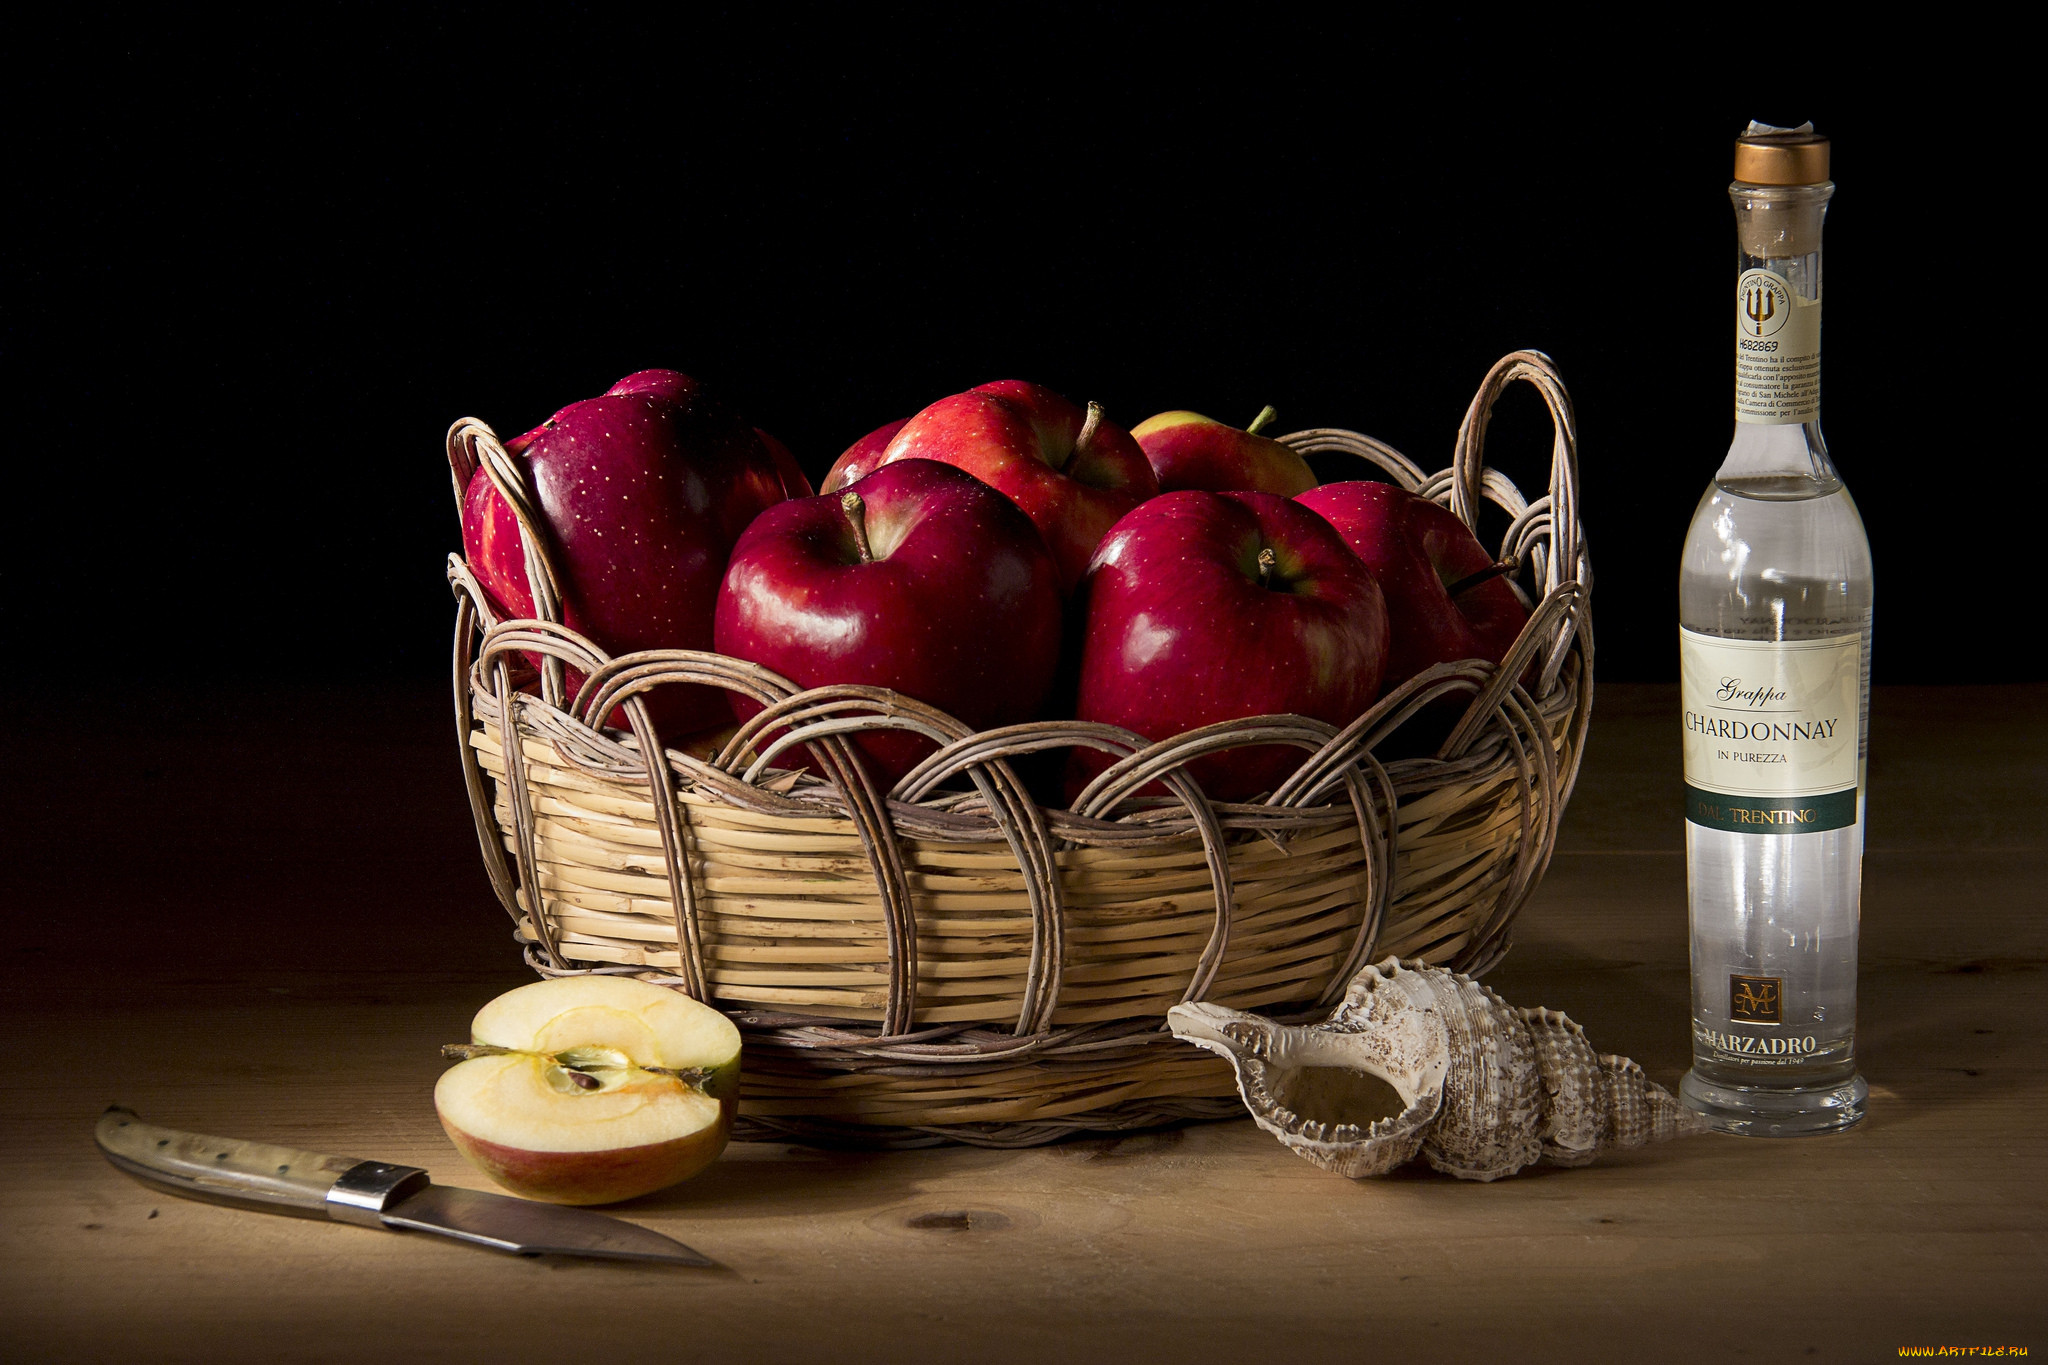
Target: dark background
x=261 y=267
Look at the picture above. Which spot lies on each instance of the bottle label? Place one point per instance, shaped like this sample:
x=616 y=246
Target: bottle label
x=1777 y=351
x=1772 y=742
x=1762 y=1050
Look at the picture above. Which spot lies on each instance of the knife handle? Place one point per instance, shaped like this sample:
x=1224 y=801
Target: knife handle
x=282 y=1179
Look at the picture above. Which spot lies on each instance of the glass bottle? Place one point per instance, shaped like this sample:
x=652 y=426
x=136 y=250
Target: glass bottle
x=1774 y=645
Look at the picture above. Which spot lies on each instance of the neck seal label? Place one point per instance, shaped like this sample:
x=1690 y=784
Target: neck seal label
x=1777 y=351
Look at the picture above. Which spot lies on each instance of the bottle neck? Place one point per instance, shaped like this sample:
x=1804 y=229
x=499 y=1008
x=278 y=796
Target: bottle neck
x=1777 y=332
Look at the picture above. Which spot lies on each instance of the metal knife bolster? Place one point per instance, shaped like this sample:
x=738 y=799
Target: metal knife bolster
x=286 y=1179
x=365 y=1190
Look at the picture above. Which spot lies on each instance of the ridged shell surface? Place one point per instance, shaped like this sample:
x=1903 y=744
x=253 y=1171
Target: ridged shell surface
x=1478 y=1088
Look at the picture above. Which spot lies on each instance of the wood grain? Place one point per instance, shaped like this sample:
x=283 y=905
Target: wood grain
x=171 y=971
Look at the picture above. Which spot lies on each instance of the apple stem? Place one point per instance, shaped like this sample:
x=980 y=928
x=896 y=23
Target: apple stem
x=1473 y=580
x=692 y=1075
x=857 y=513
x=1266 y=414
x=1088 y=426
x=1265 y=566
x=463 y=1052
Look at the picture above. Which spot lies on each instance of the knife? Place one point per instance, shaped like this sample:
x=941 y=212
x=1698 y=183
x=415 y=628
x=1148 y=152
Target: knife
x=374 y=1194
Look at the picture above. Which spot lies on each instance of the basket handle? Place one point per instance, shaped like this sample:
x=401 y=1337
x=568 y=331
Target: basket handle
x=1468 y=461
x=473 y=445
x=1404 y=472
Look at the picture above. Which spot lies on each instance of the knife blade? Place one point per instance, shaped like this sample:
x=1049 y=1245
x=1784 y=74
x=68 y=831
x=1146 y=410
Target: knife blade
x=374 y=1194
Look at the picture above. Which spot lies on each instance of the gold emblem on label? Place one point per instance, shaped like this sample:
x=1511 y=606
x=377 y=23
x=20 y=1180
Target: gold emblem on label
x=1755 y=1000
x=1765 y=303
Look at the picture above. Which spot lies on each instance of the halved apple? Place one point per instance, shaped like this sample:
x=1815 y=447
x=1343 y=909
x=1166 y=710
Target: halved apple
x=591 y=1089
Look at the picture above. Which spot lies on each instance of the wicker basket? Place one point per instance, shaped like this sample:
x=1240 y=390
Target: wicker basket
x=950 y=961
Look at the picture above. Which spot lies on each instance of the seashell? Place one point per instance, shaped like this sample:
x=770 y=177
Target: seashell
x=1421 y=1060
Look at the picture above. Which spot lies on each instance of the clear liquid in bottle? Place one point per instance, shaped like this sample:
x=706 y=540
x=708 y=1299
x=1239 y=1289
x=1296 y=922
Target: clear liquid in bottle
x=1778 y=557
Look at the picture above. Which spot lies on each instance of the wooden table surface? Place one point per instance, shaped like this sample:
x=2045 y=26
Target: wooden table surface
x=259 y=915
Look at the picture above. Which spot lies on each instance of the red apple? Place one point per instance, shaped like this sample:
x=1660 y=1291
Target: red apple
x=1072 y=473
x=673 y=385
x=590 y=1089
x=862 y=458
x=918 y=578
x=1445 y=601
x=787 y=470
x=1204 y=607
x=680 y=388
x=641 y=492
x=1188 y=450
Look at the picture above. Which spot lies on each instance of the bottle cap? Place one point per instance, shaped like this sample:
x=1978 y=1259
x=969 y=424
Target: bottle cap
x=1781 y=156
